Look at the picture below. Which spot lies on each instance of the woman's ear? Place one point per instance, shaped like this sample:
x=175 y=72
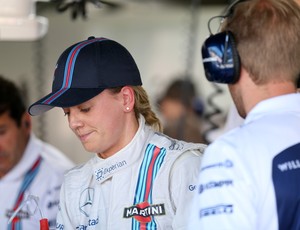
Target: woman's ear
x=128 y=98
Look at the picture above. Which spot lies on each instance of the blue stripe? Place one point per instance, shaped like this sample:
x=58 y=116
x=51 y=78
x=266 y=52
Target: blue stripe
x=64 y=89
x=73 y=63
x=141 y=183
x=27 y=180
x=157 y=166
x=30 y=175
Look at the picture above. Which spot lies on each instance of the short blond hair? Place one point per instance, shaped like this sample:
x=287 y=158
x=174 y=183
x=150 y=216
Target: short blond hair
x=267 y=33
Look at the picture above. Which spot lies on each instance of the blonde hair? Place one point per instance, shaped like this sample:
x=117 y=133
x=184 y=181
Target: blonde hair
x=142 y=106
x=267 y=33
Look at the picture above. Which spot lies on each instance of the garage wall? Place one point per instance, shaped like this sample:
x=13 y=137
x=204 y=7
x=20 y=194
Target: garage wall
x=158 y=36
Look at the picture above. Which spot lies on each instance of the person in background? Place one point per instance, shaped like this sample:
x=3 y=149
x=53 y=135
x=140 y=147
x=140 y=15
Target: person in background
x=232 y=120
x=29 y=167
x=139 y=178
x=250 y=176
x=182 y=111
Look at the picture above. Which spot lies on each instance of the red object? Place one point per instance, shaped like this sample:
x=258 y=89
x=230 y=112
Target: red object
x=44 y=225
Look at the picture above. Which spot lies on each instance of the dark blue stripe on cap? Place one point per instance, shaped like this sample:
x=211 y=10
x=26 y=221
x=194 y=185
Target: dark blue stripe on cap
x=69 y=69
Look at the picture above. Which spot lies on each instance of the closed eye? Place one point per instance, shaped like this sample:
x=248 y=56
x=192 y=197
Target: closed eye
x=66 y=112
x=85 y=110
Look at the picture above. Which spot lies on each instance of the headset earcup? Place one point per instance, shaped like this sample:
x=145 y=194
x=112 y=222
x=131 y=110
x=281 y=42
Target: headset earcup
x=235 y=58
x=220 y=58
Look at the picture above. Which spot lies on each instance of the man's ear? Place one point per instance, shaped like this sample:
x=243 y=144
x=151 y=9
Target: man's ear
x=26 y=121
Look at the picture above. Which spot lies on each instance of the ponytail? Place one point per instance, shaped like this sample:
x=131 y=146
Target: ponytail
x=142 y=106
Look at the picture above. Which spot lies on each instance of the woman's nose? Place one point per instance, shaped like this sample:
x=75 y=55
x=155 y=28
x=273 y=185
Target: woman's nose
x=74 y=121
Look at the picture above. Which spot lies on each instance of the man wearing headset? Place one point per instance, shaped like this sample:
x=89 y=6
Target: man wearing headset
x=250 y=176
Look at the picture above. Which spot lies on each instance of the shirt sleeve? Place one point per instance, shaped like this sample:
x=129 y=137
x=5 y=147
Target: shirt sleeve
x=63 y=218
x=183 y=178
x=225 y=196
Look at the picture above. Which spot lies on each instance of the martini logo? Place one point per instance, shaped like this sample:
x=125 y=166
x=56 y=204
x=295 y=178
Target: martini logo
x=142 y=212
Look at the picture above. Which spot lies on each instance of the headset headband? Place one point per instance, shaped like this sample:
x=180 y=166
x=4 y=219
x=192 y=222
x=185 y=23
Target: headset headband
x=220 y=57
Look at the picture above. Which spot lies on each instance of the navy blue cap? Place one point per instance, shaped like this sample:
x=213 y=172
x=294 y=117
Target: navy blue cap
x=84 y=70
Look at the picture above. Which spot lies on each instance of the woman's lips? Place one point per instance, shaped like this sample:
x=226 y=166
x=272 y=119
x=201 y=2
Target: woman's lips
x=84 y=137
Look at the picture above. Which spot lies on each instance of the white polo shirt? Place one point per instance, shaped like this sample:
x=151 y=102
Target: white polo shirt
x=45 y=185
x=250 y=177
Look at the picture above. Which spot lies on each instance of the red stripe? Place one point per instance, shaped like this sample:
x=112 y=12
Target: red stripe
x=54 y=95
x=19 y=201
x=72 y=57
x=68 y=73
x=21 y=196
x=69 y=67
x=70 y=63
x=150 y=173
x=37 y=162
x=143 y=226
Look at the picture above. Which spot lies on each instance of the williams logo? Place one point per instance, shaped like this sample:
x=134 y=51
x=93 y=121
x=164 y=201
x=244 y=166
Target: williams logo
x=142 y=212
x=289 y=165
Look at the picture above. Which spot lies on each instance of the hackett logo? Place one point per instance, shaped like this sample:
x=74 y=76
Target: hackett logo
x=142 y=212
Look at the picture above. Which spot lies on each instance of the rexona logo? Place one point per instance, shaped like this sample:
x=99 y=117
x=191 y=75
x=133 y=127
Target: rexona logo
x=142 y=212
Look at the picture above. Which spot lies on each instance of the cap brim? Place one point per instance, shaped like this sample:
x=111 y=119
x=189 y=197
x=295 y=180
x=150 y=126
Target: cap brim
x=71 y=97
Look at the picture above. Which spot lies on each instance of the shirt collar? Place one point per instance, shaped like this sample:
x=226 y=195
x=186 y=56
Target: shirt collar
x=279 y=104
x=106 y=168
x=29 y=157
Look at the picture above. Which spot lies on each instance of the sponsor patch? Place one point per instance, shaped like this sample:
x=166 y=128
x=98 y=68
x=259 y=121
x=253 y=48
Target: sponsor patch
x=142 y=212
x=216 y=210
x=19 y=216
x=225 y=164
x=86 y=201
x=214 y=184
x=91 y=222
x=105 y=172
x=289 y=165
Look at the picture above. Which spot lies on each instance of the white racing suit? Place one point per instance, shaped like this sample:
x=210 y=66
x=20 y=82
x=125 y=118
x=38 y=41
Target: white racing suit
x=148 y=184
x=250 y=177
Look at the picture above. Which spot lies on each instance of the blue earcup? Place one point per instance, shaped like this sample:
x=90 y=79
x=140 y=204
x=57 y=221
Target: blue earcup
x=221 y=59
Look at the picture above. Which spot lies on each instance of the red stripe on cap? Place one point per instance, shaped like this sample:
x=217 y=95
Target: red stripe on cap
x=66 y=86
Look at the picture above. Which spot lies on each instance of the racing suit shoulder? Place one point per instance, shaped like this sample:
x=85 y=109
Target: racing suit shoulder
x=176 y=181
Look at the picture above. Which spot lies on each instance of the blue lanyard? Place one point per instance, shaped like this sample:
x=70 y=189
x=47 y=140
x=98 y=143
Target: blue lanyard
x=30 y=175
